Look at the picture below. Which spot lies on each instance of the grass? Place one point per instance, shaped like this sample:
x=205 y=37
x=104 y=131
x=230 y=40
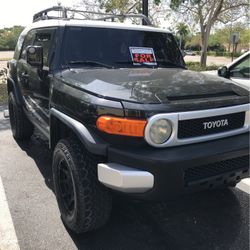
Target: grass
x=195 y=66
x=3 y=91
x=5 y=59
x=220 y=53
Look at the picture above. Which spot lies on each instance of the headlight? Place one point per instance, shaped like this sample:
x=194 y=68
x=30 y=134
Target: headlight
x=160 y=131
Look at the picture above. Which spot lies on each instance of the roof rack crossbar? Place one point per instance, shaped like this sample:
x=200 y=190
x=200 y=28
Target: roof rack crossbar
x=43 y=15
x=63 y=13
x=140 y=16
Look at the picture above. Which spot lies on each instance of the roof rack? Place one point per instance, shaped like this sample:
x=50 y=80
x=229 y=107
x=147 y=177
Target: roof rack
x=66 y=13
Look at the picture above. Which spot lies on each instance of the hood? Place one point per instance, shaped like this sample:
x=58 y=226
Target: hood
x=148 y=86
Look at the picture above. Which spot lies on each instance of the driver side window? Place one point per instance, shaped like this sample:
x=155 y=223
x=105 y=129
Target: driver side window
x=242 y=69
x=43 y=38
x=27 y=41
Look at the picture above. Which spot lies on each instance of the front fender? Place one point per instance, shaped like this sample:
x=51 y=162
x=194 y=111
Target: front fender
x=13 y=87
x=90 y=141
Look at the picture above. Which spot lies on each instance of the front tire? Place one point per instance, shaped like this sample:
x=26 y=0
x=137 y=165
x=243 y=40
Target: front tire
x=21 y=127
x=84 y=203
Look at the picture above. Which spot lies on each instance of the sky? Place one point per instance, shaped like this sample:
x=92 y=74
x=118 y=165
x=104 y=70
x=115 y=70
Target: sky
x=20 y=12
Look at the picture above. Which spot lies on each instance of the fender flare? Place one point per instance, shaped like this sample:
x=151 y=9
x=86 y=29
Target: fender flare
x=12 y=86
x=90 y=141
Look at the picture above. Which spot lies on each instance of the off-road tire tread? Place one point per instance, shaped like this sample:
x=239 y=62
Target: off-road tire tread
x=23 y=127
x=94 y=200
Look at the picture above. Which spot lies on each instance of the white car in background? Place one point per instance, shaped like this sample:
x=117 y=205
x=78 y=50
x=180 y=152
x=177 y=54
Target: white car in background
x=238 y=71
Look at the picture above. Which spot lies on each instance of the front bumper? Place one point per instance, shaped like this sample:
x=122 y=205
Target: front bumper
x=183 y=169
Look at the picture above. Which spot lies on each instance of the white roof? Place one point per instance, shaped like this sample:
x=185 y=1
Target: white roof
x=92 y=23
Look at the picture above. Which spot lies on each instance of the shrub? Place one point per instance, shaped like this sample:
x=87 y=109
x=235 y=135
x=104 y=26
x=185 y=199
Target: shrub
x=195 y=66
x=211 y=53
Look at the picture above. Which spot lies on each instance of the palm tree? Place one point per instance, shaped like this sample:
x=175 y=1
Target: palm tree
x=182 y=31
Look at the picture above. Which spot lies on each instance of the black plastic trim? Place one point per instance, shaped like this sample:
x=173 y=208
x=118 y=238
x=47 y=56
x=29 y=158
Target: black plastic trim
x=16 y=91
x=90 y=141
x=169 y=165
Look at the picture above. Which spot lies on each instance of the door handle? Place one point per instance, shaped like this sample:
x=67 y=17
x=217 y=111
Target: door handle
x=25 y=75
x=24 y=79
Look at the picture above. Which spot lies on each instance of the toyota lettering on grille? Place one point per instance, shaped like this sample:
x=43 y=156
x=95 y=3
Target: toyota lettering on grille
x=215 y=124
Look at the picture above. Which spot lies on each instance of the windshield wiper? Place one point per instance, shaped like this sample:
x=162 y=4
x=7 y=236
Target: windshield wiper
x=169 y=63
x=92 y=63
x=137 y=64
x=159 y=62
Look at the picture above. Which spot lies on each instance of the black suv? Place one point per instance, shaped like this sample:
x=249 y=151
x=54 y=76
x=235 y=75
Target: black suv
x=123 y=114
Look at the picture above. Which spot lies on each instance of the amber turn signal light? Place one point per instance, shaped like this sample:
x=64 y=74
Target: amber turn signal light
x=121 y=126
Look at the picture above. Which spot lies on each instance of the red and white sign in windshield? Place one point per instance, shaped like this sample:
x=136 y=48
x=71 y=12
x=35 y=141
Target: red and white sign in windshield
x=142 y=55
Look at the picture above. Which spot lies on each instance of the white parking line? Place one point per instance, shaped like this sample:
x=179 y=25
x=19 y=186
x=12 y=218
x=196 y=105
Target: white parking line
x=8 y=239
x=244 y=185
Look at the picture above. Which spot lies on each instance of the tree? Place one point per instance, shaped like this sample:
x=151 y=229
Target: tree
x=126 y=6
x=194 y=43
x=207 y=13
x=157 y=8
x=182 y=32
x=222 y=35
x=9 y=37
x=121 y=6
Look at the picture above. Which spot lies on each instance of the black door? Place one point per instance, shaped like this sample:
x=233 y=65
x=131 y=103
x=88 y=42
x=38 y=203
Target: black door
x=36 y=81
x=23 y=68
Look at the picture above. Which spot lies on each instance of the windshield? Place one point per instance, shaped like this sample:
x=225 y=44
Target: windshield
x=119 y=48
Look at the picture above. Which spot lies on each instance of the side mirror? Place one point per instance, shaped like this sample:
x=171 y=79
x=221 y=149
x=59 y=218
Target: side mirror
x=223 y=72
x=35 y=56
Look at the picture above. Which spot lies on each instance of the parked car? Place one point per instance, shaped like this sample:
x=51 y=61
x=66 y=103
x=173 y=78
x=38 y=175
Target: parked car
x=122 y=114
x=238 y=71
x=189 y=53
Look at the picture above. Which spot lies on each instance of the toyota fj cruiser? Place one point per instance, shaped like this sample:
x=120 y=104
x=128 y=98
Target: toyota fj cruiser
x=123 y=114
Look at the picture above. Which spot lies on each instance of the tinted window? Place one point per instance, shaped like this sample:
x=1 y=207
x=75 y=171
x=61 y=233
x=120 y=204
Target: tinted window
x=18 y=47
x=44 y=38
x=27 y=41
x=242 y=69
x=111 y=46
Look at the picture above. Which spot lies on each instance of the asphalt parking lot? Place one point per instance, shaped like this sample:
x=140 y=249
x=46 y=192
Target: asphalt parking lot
x=210 y=220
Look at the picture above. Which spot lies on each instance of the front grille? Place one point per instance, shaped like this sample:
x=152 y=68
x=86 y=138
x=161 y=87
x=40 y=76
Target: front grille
x=210 y=125
x=217 y=169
